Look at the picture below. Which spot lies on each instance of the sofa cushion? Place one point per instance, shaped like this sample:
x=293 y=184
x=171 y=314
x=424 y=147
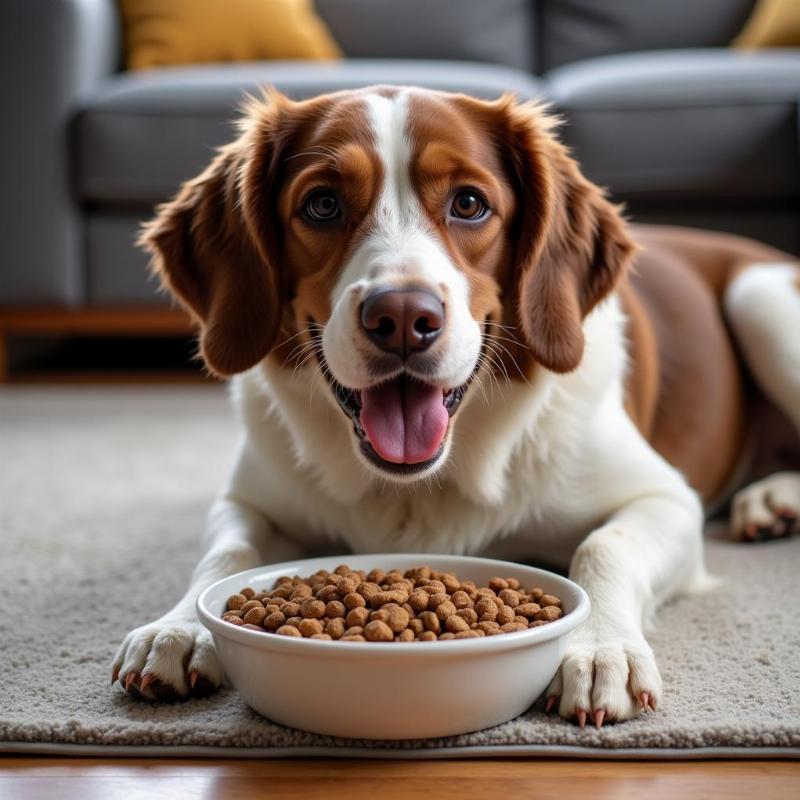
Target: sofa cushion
x=570 y=30
x=144 y=133
x=691 y=123
x=500 y=31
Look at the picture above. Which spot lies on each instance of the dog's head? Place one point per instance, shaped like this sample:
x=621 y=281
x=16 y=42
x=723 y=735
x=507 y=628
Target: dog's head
x=400 y=241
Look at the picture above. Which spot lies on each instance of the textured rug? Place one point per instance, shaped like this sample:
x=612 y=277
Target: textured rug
x=102 y=497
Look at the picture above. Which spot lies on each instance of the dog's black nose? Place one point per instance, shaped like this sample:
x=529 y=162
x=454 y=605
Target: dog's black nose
x=402 y=321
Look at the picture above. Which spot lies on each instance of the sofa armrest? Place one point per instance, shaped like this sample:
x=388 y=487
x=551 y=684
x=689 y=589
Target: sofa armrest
x=52 y=54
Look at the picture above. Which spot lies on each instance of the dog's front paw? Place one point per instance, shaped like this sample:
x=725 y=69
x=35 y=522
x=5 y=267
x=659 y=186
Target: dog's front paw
x=605 y=679
x=767 y=509
x=167 y=660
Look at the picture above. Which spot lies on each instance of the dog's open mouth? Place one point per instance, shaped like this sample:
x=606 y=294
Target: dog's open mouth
x=401 y=423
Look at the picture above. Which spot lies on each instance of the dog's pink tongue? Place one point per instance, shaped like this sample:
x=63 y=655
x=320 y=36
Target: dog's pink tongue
x=405 y=421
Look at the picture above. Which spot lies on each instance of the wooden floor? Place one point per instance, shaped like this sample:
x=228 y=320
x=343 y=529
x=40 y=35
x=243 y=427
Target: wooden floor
x=36 y=778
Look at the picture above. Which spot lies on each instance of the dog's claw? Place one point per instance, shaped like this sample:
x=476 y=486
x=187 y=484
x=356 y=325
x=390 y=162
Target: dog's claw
x=581 y=714
x=146 y=680
x=644 y=699
x=114 y=675
x=599 y=716
x=129 y=679
x=551 y=701
x=193 y=678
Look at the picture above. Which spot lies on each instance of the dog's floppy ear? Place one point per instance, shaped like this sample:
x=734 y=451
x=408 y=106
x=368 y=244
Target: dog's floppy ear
x=572 y=243
x=214 y=246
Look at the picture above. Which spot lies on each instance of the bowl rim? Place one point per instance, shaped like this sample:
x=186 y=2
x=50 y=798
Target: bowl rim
x=443 y=649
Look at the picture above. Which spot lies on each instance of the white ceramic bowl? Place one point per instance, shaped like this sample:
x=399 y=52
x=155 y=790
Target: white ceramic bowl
x=370 y=690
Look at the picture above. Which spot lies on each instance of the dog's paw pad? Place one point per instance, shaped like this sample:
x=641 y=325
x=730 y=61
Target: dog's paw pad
x=767 y=509
x=165 y=662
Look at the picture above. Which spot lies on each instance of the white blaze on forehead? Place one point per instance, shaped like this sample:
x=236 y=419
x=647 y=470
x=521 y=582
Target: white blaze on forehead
x=401 y=247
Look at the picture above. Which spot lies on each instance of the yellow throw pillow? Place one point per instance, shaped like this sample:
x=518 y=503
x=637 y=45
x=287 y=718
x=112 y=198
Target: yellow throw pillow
x=161 y=33
x=773 y=23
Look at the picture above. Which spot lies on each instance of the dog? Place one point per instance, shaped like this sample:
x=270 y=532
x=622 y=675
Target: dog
x=443 y=338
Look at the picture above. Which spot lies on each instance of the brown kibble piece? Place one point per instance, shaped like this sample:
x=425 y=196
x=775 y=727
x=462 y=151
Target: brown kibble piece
x=357 y=616
x=255 y=616
x=234 y=620
x=398 y=596
x=509 y=597
x=445 y=610
x=291 y=609
x=324 y=636
x=406 y=635
x=398 y=619
x=456 y=624
x=309 y=626
x=418 y=600
x=527 y=610
x=486 y=609
x=288 y=630
x=353 y=600
x=235 y=602
x=505 y=614
x=468 y=615
x=497 y=584
x=354 y=630
x=353 y=638
x=248 y=592
x=460 y=599
x=548 y=613
x=312 y=609
x=427 y=636
x=335 y=628
x=430 y=621
x=549 y=600
x=377 y=631
x=274 y=620
x=250 y=604
x=334 y=609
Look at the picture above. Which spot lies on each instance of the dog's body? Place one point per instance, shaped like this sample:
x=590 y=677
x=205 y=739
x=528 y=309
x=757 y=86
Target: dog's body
x=554 y=409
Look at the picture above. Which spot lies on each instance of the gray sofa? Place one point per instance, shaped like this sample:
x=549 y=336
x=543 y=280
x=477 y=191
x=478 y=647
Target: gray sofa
x=658 y=109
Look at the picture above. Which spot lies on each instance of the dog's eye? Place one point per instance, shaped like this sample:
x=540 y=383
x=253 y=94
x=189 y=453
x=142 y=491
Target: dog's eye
x=322 y=206
x=468 y=204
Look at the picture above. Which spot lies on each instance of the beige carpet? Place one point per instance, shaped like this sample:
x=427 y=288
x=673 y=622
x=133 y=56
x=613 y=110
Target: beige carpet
x=102 y=497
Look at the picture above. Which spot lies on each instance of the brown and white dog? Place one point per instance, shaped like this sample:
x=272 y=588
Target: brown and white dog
x=446 y=339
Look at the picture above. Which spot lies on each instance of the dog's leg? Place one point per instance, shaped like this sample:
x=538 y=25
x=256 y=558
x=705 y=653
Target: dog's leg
x=762 y=304
x=649 y=549
x=173 y=657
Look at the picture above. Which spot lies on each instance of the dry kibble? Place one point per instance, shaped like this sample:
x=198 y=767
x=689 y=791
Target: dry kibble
x=313 y=609
x=353 y=600
x=486 y=609
x=377 y=631
x=549 y=600
x=398 y=619
x=236 y=601
x=456 y=624
x=418 y=600
x=291 y=609
x=527 y=610
x=255 y=616
x=549 y=613
x=357 y=616
x=418 y=605
x=509 y=597
x=309 y=626
x=335 y=628
x=445 y=610
x=468 y=615
x=334 y=609
x=274 y=620
x=505 y=614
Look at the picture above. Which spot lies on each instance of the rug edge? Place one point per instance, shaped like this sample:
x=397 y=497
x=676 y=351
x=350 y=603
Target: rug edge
x=475 y=751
